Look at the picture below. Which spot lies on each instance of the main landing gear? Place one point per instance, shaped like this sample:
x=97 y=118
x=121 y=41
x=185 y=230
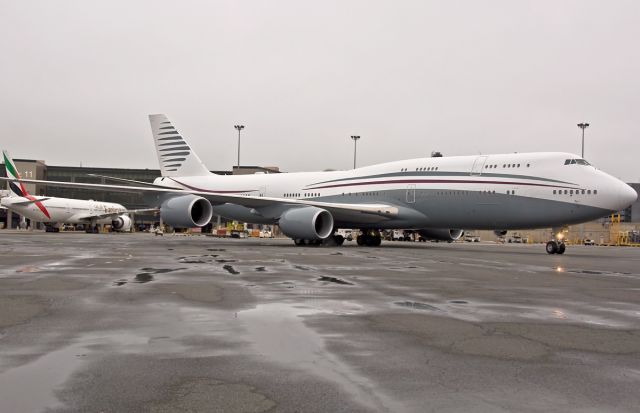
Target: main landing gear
x=332 y=241
x=370 y=238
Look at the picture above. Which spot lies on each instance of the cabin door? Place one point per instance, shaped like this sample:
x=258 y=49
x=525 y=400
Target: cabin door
x=411 y=193
x=478 y=165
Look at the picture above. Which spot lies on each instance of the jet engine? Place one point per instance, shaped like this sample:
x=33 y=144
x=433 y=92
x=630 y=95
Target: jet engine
x=441 y=234
x=309 y=223
x=500 y=233
x=186 y=211
x=121 y=223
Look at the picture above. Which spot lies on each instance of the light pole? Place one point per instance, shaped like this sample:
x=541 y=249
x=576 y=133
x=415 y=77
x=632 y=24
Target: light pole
x=583 y=126
x=355 y=149
x=239 y=128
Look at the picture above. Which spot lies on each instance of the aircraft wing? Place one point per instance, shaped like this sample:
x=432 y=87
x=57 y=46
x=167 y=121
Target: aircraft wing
x=219 y=198
x=117 y=214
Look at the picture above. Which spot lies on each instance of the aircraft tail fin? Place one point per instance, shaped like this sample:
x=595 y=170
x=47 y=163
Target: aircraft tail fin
x=16 y=188
x=175 y=155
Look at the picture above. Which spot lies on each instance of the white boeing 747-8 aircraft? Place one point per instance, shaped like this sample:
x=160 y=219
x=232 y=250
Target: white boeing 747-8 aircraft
x=54 y=211
x=439 y=197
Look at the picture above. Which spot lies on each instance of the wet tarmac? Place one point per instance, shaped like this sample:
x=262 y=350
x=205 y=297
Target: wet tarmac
x=133 y=322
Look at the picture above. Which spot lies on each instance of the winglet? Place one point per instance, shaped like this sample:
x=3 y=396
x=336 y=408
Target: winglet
x=175 y=156
x=16 y=187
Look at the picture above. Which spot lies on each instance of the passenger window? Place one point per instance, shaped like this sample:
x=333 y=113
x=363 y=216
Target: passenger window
x=583 y=192
x=588 y=191
x=595 y=192
x=528 y=165
x=566 y=192
x=518 y=165
x=554 y=191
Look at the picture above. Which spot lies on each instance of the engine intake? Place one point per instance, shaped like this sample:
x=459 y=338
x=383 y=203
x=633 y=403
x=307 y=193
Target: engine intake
x=310 y=223
x=441 y=234
x=121 y=223
x=186 y=211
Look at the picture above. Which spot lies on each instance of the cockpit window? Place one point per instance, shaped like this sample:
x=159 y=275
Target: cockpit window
x=576 y=162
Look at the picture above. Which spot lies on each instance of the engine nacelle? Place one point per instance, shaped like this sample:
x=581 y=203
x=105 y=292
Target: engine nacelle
x=441 y=234
x=121 y=223
x=309 y=222
x=500 y=233
x=186 y=211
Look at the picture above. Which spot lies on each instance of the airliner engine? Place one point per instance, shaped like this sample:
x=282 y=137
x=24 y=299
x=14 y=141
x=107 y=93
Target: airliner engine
x=309 y=223
x=186 y=211
x=122 y=223
x=441 y=234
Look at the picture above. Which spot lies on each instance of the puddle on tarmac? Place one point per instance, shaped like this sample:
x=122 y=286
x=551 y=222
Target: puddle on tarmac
x=162 y=270
x=334 y=280
x=261 y=269
x=216 y=249
x=336 y=253
x=287 y=284
x=191 y=261
x=417 y=305
x=28 y=269
x=142 y=278
x=230 y=269
x=30 y=387
x=594 y=272
x=300 y=267
x=458 y=302
x=146 y=276
x=277 y=332
x=223 y=261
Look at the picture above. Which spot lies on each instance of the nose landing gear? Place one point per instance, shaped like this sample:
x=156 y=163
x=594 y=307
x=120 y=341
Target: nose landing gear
x=555 y=247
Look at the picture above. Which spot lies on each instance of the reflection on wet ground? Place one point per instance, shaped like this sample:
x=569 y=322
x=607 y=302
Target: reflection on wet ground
x=230 y=269
x=146 y=276
x=334 y=280
x=416 y=305
x=278 y=332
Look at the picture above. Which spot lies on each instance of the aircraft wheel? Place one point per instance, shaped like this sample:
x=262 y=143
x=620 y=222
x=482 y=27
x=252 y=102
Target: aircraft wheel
x=561 y=248
x=339 y=240
x=552 y=247
x=298 y=242
x=360 y=240
x=377 y=241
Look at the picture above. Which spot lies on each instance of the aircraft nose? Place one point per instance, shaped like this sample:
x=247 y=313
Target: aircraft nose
x=628 y=195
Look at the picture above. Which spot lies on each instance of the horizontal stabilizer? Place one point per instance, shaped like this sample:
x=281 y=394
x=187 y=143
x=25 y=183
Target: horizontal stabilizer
x=30 y=201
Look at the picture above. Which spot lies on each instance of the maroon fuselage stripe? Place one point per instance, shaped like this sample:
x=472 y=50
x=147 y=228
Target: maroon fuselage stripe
x=210 y=191
x=436 y=181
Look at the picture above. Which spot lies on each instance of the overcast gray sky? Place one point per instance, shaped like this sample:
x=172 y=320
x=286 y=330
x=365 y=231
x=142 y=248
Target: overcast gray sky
x=79 y=78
